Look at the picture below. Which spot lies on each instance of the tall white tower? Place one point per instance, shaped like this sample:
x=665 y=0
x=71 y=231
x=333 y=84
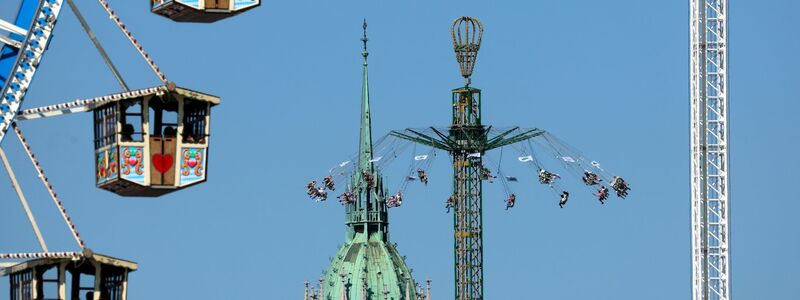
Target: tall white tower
x=709 y=150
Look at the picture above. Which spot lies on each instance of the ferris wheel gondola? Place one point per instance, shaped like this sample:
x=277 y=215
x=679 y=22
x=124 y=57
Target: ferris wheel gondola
x=178 y=148
x=201 y=11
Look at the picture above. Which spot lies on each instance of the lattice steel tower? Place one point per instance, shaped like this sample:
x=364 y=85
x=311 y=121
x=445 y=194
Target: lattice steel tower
x=467 y=139
x=709 y=150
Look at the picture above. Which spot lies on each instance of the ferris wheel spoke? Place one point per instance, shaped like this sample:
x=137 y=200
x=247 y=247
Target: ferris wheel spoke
x=134 y=41
x=75 y=255
x=84 y=105
x=49 y=187
x=23 y=201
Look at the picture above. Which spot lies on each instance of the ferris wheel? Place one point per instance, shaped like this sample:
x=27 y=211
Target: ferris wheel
x=147 y=142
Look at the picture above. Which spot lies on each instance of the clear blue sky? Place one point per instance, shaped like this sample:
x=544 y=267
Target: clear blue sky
x=609 y=77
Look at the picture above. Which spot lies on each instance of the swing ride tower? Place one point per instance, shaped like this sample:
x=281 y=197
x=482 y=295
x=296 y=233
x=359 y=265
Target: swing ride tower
x=709 y=149
x=467 y=139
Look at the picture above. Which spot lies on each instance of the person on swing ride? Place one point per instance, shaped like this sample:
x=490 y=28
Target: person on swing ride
x=422 y=176
x=546 y=177
x=368 y=178
x=510 y=201
x=486 y=174
x=620 y=186
x=602 y=194
x=322 y=195
x=312 y=189
x=396 y=200
x=590 y=178
x=450 y=203
x=346 y=197
x=328 y=182
x=564 y=199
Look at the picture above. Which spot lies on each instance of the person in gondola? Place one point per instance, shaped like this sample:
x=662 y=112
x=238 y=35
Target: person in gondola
x=450 y=203
x=512 y=199
x=602 y=194
x=422 y=176
x=564 y=199
x=329 y=184
x=590 y=178
x=127 y=132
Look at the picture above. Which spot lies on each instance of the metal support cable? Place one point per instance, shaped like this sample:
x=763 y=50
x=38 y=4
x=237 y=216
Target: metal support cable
x=49 y=187
x=133 y=41
x=97 y=45
x=15 y=184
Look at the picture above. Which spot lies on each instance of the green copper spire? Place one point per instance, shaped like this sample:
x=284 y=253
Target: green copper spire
x=365 y=147
x=367 y=266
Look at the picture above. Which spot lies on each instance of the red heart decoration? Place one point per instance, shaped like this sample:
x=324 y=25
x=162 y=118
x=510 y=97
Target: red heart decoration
x=162 y=163
x=192 y=163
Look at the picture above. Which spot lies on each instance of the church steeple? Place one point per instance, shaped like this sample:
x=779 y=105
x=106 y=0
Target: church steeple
x=368 y=214
x=367 y=266
x=365 y=146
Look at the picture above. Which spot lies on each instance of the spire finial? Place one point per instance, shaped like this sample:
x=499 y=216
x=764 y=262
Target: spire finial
x=365 y=40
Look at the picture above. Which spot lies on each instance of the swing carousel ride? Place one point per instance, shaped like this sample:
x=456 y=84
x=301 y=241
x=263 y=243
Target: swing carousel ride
x=467 y=141
x=148 y=142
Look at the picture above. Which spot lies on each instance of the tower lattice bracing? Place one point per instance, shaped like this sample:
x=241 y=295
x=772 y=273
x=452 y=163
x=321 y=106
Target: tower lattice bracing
x=709 y=150
x=467 y=140
x=470 y=136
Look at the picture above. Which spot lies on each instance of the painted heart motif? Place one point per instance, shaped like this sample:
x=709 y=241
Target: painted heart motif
x=162 y=163
x=192 y=163
x=132 y=161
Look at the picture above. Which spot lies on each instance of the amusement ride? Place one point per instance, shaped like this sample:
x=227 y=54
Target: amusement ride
x=468 y=142
x=147 y=142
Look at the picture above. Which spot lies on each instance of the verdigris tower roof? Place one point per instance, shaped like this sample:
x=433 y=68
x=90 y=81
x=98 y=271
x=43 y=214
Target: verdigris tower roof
x=367 y=266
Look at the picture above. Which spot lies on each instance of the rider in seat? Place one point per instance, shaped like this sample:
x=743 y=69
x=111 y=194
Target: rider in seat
x=486 y=174
x=510 y=201
x=368 y=178
x=620 y=186
x=312 y=189
x=322 y=195
x=329 y=184
x=602 y=194
x=422 y=176
x=546 y=177
x=590 y=178
x=450 y=203
x=564 y=199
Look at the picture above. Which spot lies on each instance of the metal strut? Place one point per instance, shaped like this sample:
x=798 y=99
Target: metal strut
x=49 y=187
x=97 y=44
x=133 y=41
x=15 y=184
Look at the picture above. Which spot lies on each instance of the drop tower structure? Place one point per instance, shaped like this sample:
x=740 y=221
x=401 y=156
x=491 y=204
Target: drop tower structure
x=367 y=266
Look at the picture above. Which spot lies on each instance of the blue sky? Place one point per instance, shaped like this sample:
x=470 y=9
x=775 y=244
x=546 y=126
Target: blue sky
x=611 y=78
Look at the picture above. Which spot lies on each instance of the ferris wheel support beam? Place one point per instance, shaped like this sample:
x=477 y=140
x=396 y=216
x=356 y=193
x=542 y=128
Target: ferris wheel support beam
x=97 y=44
x=18 y=189
x=49 y=187
x=709 y=150
x=10 y=27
